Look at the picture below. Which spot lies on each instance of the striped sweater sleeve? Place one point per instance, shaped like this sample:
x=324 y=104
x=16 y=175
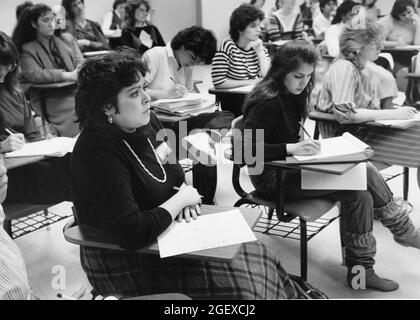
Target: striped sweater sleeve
x=274 y=29
x=298 y=27
x=220 y=64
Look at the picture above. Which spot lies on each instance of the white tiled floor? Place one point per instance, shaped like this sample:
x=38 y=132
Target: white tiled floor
x=45 y=249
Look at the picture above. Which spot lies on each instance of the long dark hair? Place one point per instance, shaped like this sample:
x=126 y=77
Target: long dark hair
x=131 y=11
x=286 y=58
x=67 y=5
x=24 y=31
x=9 y=56
x=344 y=8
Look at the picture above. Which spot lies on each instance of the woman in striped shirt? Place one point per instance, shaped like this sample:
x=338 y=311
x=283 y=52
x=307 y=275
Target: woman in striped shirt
x=285 y=23
x=242 y=59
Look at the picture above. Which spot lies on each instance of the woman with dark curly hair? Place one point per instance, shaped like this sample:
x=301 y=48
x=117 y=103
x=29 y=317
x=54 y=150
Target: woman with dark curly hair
x=139 y=34
x=241 y=59
x=88 y=33
x=48 y=57
x=117 y=147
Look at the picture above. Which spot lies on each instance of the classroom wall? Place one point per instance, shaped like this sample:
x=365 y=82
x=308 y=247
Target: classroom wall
x=169 y=15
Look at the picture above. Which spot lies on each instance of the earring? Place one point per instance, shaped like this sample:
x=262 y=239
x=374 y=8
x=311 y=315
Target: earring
x=110 y=119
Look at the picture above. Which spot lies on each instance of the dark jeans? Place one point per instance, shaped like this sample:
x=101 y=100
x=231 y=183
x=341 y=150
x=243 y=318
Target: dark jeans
x=42 y=182
x=356 y=208
x=204 y=176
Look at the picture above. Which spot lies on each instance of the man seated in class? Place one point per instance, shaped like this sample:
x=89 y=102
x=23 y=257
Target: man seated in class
x=170 y=76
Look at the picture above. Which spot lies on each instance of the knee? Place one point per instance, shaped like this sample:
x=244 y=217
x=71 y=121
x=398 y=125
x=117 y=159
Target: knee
x=362 y=199
x=372 y=173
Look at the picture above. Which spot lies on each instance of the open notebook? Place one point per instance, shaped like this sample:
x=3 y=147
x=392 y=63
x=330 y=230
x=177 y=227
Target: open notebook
x=190 y=104
x=55 y=147
x=342 y=148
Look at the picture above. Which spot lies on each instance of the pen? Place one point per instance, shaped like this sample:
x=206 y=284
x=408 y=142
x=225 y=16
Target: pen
x=64 y=297
x=304 y=130
x=177 y=189
x=8 y=131
x=173 y=80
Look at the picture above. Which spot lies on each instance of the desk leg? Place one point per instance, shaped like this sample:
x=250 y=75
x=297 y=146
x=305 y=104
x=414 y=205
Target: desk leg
x=281 y=174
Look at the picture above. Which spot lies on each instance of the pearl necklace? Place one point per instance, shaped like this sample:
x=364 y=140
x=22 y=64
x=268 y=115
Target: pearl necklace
x=142 y=165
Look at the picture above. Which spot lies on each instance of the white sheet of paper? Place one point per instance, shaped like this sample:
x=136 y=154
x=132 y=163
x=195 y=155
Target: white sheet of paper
x=55 y=147
x=146 y=39
x=207 y=232
x=354 y=179
x=347 y=144
x=189 y=97
x=399 y=122
x=248 y=88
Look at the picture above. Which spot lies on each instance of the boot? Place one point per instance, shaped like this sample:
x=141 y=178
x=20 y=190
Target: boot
x=395 y=216
x=373 y=281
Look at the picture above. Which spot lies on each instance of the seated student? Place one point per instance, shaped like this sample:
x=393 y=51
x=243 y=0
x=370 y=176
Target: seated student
x=88 y=33
x=139 y=29
x=372 y=11
x=14 y=283
x=49 y=58
x=170 y=76
x=323 y=21
x=277 y=105
x=113 y=21
x=382 y=79
x=43 y=182
x=117 y=148
x=21 y=7
x=241 y=59
x=285 y=23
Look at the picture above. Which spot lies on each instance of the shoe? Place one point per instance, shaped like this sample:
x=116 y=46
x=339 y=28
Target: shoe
x=373 y=281
x=200 y=148
x=411 y=240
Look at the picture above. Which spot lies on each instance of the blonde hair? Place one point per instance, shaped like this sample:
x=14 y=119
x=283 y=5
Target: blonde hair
x=353 y=40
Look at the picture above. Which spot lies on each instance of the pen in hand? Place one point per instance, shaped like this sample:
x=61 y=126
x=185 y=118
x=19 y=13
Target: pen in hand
x=318 y=146
x=178 y=188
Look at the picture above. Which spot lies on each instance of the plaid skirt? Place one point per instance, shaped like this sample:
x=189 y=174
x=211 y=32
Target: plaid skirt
x=255 y=274
x=399 y=147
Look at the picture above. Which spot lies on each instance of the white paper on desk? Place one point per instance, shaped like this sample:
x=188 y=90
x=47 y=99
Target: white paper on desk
x=55 y=147
x=345 y=145
x=146 y=39
x=207 y=232
x=399 y=122
x=248 y=88
x=354 y=179
x=189 y=97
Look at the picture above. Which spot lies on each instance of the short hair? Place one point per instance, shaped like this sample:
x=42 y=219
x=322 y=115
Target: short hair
x=117 y=3
x=101 y=79
x=200 y=41
x=9 y=56
x=353 y=40
x=24 y=31
x=20 y=8
x=343 y=9
x=400 y=6
x=241 y=17
x=132 y=7
x=323 y=3
x=67 y=5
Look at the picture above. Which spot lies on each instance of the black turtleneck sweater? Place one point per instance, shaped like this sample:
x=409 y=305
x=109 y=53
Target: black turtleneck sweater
x=112 y=191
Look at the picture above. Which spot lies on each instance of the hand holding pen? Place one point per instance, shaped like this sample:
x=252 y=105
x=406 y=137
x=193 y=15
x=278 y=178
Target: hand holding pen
x=193 y=201
x=13 y=142
x=178 y=91
x=306 y=147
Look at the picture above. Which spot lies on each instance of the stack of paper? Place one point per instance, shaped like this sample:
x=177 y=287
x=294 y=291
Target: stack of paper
x=190 y=104
x=55 y=147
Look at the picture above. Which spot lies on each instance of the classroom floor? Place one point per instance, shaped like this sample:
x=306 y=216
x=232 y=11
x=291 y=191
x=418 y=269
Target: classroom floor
x=46 y=252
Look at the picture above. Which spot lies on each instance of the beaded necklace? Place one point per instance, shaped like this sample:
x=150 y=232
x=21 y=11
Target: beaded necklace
x=143 y=166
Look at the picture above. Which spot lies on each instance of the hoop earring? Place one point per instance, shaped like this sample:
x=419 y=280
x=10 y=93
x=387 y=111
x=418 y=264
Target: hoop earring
x=110 y=120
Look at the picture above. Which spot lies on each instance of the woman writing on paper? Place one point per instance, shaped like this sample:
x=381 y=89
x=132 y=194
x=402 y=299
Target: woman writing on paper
x=139 y=34
x=45 y=181
x=125 y=185
x=277 y=105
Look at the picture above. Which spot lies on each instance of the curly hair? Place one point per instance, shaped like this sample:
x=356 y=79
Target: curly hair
x=286 y=59
x=101 y=79
x=200 y=41
x=400 y=6
x=24 y=31
x=241 y=18
x=353 y=40
x=131 y=10
x=9 y=56
x=67 y=5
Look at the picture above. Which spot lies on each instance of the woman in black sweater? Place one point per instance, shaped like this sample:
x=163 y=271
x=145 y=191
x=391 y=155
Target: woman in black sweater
x=139 y=33
x=277 y=105
x=123 y=184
